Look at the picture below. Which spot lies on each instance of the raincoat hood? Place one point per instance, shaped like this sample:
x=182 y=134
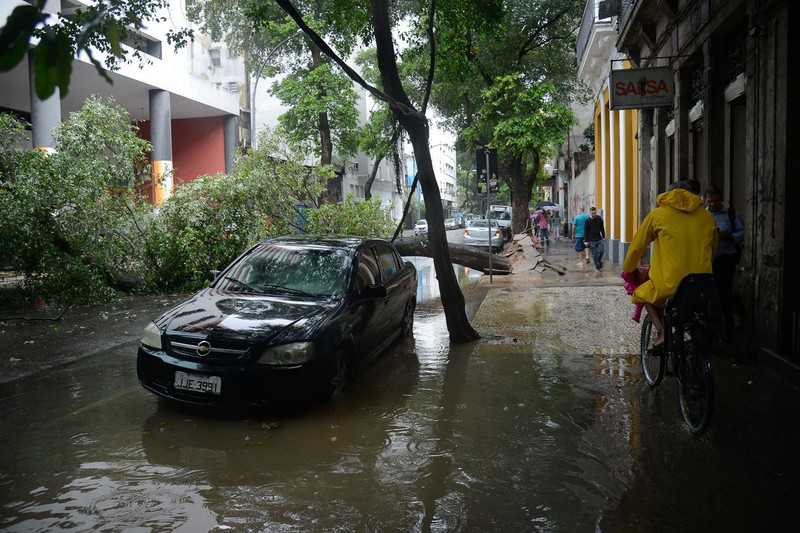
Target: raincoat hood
x=680 y=199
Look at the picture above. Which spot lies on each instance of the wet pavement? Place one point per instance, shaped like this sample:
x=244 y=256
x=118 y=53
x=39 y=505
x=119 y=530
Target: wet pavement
x=543 y=425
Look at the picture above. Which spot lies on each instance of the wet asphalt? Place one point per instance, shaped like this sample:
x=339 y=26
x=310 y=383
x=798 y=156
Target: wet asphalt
x=543 y=425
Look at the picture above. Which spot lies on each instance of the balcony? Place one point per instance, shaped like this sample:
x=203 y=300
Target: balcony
x=595 y=45
x=589 y=24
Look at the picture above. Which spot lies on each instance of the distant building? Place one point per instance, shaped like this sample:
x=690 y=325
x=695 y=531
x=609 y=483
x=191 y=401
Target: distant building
x=187 y=102
x=388 y=184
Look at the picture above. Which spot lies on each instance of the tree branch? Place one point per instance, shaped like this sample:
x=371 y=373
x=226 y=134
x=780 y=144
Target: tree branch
x=526 y=46
x=374 y=173
x=290 y=10
x=472 y=58
x=405 y=209
x=432 y=66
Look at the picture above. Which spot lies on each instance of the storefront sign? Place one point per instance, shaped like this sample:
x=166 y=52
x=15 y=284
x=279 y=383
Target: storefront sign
x=641 y=88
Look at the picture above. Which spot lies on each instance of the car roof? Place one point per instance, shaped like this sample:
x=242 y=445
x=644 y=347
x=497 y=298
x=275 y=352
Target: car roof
x=334 y=241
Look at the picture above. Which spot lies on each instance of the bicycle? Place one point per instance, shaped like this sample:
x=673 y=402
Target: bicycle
x=691 y=317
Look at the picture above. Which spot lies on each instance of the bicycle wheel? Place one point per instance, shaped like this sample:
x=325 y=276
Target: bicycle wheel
x=695 y=381
x=652 y=365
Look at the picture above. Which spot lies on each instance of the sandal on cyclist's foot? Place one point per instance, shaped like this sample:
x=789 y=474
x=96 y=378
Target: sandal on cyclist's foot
x=656 y=349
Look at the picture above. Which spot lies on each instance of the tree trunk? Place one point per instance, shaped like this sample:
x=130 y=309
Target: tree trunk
x=468 y=256
x=417 y=127
x=325 y=143
x=521 y=190
x=371 y=179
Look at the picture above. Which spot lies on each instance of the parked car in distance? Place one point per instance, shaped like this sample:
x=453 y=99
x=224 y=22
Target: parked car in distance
x=477 y=234
x=291 y=316
x=450 y=223
x=421 y=227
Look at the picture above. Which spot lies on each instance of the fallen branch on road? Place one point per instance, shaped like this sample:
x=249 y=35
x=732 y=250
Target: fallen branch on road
x=463 y=255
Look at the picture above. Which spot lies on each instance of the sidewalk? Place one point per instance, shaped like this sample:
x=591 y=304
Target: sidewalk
x=580 y=312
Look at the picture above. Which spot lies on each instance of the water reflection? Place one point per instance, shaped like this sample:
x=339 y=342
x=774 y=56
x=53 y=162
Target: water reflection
x=489 y=436
x=427 y=283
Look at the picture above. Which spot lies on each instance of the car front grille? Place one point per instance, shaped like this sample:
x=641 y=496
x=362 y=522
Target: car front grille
x=221 y=350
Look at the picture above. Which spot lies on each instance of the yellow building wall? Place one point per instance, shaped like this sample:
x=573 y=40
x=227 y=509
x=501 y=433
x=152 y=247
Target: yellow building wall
x=616 y=178
x=599 y=157
x=607 y=164
x=632 y=179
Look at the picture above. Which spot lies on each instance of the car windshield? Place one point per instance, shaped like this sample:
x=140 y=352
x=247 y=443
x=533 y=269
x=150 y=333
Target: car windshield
x=479 y=224
x=505 y=215
x=304 y=270
x=422 y=222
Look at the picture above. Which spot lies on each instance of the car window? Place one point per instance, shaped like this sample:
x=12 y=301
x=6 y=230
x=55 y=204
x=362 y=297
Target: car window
x=367 y=274
x=277 y=267
x=388 y=261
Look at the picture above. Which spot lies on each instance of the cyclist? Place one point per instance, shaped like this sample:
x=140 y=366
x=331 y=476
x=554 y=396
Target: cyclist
x=683 y=236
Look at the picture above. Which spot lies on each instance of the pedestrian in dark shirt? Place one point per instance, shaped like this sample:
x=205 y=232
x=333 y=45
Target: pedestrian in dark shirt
x=594 y=232
x=730 y=230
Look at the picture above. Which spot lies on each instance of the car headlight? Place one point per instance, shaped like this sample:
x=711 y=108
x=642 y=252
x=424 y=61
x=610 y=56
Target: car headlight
x=152 y=336
x=287 y=354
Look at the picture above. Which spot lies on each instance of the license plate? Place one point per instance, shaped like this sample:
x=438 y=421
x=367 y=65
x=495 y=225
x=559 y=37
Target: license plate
x=197 y=383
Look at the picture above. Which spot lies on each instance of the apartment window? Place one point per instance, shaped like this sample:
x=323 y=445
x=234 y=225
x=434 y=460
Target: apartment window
x=216 y=57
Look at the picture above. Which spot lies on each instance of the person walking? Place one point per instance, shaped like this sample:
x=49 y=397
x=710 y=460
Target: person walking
x=544 y=228
x=730 y=232
x=594 y=234
x=580 y=245
x=683 y=235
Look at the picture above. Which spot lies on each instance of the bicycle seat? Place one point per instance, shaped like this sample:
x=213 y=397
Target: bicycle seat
x=696 y=297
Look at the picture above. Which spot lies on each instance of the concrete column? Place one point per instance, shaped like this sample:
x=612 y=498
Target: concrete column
x=682 y=96
x=45 y=114
x=230 y=128
x=603 y=168
x=646 y=173
x=161 y=138
x=613 y=183
x=624 y=176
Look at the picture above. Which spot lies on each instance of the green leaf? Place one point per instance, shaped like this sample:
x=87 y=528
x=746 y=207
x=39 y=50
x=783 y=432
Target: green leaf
x=16 y=34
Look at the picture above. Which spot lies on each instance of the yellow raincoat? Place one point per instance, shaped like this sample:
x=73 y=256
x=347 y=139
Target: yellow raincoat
x=684 y=236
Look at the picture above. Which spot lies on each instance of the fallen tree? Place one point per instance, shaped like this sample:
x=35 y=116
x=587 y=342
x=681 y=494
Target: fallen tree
x=467 y=256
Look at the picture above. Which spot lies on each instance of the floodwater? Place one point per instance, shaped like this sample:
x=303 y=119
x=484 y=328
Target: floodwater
x=496 y=435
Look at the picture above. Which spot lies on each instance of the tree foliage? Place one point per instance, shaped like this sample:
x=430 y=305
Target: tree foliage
x=363 y=218
x=77 y=225
x=70 y=221
x=309 y=93
x=519 y=118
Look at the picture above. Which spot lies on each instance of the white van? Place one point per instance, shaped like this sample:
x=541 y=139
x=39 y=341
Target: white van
x=501 y=215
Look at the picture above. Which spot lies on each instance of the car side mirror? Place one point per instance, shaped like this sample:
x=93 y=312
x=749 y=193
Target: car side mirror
x=374 y=291
x=212 y=275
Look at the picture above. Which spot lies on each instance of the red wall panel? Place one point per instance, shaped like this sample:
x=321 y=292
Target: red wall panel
x=198 y=146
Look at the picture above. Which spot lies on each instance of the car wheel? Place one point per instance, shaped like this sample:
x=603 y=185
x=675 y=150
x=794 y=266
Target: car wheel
x=408 y=318
x=337 y=380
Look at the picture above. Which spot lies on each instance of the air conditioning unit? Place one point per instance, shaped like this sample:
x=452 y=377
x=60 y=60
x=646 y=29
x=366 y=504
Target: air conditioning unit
x=232 y=87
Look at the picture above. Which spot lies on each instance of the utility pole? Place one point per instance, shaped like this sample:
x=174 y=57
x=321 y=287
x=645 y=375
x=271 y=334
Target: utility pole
x=488 y=211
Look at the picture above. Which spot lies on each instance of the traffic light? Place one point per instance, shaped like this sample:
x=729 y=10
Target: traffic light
x=480 y=164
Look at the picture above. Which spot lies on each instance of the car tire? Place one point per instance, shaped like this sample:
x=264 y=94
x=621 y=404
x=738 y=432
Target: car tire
x=336 y=381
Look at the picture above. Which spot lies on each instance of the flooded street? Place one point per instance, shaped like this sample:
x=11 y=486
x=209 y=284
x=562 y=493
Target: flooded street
x=529 y=429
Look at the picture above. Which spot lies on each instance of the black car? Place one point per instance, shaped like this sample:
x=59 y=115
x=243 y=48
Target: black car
x=290 y=316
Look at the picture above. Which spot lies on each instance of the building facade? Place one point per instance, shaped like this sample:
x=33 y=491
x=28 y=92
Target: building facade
x=356 y=170
x=187 y=102
x=729 y=127
x=601 y=149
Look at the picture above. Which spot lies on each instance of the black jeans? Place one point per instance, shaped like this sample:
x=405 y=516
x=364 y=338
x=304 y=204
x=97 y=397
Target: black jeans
x=598 y=249
x=724 y=267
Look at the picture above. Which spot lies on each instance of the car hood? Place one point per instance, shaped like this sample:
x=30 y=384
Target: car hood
x=214 y=313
